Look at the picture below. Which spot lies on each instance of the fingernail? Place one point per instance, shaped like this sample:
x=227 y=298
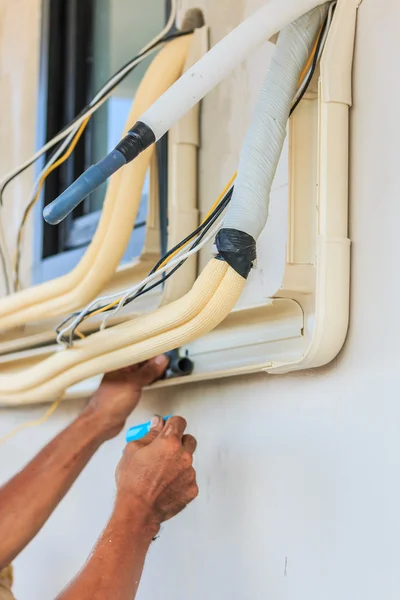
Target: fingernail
x=155 y=421
x=161 y=360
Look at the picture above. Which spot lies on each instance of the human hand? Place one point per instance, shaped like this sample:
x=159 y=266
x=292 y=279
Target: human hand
x=120 y=392
x=156 y=473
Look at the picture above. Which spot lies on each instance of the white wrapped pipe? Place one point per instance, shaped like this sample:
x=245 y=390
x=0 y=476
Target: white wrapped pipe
x=248 y=209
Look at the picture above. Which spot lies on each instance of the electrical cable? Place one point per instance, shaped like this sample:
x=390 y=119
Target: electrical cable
x=141 y=288
x=127 y=300
x=33 y=201
x=307 y=66
x=319 y=47
x=216 y=209
x=186 y=241
x=158 y=269
x=4 y=260
x=13 y=283
x=150 y=278
x=210 y=222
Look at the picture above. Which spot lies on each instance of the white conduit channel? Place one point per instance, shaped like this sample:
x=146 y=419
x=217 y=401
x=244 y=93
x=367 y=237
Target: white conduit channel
x=217 y=289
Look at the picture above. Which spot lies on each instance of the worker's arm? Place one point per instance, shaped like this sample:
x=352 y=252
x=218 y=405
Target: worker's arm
x=155 y=481
x=27 y=501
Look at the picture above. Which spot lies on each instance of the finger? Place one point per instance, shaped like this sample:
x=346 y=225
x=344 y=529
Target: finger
x=156 y=427
x=152 y=370
x=174 y=427
x=189 y=443
x=130 y=369
x=120 y=373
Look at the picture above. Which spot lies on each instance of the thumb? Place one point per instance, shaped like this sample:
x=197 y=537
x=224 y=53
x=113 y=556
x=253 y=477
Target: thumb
x=157 y=425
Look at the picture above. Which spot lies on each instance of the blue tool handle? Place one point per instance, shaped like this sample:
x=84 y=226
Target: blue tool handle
x=139 y=431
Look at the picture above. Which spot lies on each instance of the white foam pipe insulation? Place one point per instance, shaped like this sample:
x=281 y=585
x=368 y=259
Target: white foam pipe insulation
x=219 y=286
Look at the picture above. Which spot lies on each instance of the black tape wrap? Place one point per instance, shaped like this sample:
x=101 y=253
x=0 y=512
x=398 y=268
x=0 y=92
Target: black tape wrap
x=138 y=138
x=238 y=249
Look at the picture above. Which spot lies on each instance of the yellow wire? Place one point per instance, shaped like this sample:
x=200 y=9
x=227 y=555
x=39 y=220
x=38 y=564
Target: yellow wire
x=34 y=423
x=310 y=58
x=65 y=156
x=43 y=178
x=218 y=200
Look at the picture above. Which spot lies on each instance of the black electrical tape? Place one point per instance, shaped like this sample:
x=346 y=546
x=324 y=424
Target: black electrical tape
x=138 y=139
x=238 y=249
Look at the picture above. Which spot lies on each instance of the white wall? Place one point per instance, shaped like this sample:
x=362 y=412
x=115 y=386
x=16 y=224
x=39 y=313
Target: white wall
x=299 y=475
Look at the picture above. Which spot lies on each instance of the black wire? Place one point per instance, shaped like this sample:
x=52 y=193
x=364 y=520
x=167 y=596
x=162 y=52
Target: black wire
x=162 y=160
x=178 y=266
x=5 y=275
x=220 y=208
x=146 y=289
x=202 y=229
x=313 y=68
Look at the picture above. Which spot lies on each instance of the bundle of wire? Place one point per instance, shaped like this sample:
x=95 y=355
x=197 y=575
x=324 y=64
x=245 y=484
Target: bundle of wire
x=202 y=235
x=71 y=135
x=315 y=56
x=68 y=329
